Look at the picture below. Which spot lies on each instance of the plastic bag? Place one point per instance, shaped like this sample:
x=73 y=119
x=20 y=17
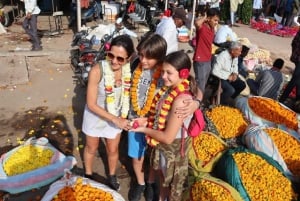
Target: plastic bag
x=38 y=177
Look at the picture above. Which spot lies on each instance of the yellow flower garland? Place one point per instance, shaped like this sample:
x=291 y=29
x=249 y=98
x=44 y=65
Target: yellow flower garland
x=157 y=116
x=109 y=81
x=134 y=93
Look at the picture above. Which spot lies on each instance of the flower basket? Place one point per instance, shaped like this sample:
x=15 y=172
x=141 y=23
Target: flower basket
x=14 y=177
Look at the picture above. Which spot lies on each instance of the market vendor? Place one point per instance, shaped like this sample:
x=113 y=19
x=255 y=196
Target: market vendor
x=268 y=83
x=226 y=69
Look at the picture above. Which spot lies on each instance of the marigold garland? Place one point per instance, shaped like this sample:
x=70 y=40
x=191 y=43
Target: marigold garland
x=109 y=81
x=134 y=93
x=157 y=116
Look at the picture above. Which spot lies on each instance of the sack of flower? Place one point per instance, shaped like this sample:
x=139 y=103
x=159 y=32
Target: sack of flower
x=226 y=122
x=206 y=149
x=33 y=164
x=278 y=144
x=76 y=188
x=266 y=111
x=207 y=187
x=254 y=175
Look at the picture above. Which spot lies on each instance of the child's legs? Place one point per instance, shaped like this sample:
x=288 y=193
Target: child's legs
x=136 y=150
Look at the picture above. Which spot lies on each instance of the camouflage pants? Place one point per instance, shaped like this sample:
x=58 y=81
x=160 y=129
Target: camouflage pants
x=176 y=167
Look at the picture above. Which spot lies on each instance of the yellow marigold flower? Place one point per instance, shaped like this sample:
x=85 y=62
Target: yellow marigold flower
x=288 y=147
x=273 y=111
x=261 y=180
x=228 y=121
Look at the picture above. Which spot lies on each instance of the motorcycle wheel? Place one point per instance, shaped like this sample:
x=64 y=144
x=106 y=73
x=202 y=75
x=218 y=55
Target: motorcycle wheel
x=5 y=19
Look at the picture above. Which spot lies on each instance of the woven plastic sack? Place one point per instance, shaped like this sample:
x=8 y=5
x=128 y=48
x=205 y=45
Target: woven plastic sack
x=38 y=177
x=227 y=170
x=256 y=138
x=70 y=181
x=209 y=188
x=210 y=146
x=242 y=104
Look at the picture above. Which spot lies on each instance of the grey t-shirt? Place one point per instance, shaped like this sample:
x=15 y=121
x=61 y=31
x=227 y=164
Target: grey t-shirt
x=143 y=86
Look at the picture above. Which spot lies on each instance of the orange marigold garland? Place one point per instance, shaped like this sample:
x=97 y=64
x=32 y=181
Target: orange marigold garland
x=157 y=116
x=134 y=93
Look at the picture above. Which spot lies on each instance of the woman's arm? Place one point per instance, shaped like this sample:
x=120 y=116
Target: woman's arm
x=174 y=123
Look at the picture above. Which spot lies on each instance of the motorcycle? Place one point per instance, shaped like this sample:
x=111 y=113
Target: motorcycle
x=85 y=56
x=93 y=12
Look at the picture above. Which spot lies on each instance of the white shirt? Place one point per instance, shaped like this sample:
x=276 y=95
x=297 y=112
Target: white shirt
x=31 y=7
x=167 y=29
x=257 y=4
x=223 y=34
x=225 y=65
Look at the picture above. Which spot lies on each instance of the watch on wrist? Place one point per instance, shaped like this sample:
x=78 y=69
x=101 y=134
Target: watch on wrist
x=199 y=101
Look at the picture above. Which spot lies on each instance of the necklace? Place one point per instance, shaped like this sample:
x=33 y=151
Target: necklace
x=134 y=93
x=109 y=82
x=158 y=115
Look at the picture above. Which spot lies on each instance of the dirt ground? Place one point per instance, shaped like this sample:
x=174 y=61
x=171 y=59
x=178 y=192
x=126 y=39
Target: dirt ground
x=51 y=102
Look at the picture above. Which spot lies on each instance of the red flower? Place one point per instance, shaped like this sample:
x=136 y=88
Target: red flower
x=184 y=73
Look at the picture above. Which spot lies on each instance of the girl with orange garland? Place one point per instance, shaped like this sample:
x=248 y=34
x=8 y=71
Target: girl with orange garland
x=146 y=81
x=107 y=106
x=164 y=126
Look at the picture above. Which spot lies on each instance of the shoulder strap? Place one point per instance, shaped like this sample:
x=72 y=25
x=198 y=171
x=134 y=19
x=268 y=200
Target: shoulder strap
x=101 y=69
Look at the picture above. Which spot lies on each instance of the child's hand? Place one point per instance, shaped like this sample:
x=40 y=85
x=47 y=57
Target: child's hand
x=139 y=122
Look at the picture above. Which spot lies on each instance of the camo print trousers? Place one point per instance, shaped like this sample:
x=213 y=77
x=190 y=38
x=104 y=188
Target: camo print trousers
x=175 y=166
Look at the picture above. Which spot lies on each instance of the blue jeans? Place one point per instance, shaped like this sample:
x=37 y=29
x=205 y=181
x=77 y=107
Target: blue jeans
x=295 y=82
x=30 y=27
x=231 y=89
x=202 y=71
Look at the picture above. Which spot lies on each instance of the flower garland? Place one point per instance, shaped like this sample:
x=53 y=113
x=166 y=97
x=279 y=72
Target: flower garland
x=150 y=93
x=158 y=116
x=109 y=82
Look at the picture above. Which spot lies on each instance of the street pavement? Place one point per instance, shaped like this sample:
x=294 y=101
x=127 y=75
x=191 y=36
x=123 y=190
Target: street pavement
x=43 y=84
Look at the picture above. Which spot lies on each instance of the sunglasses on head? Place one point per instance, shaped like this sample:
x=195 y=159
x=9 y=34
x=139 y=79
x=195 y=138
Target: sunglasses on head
x=111 y=56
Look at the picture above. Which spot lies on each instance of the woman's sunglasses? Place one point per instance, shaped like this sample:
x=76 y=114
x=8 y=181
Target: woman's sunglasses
x=111 y=56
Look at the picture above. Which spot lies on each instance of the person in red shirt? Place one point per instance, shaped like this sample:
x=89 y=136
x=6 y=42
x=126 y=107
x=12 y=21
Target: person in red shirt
x=205 y=33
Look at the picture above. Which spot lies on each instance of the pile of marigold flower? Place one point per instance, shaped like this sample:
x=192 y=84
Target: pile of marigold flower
x=273 y=111
x=27 y=158
x=288 y=147
x=261 y=180
x=209 y=190
x=207 y=146
x=82 y=192
x=228 y=121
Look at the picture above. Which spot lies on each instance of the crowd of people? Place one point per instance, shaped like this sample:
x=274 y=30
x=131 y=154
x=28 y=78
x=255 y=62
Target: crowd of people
x=154 y=99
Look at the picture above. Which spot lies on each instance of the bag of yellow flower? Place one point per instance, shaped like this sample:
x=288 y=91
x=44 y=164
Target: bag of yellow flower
x=34 y=164
x=278 y=144
x=76 y=188
x=254 y=175
x=208 y=188
x=265 y=111
x=227 y=122
x=204 y=151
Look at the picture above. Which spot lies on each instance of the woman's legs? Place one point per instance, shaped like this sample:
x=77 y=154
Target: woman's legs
x=112 y=149
x=90 y=150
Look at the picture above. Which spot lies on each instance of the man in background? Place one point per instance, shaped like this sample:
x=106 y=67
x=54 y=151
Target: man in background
x=268 y=83
x=30 y=23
